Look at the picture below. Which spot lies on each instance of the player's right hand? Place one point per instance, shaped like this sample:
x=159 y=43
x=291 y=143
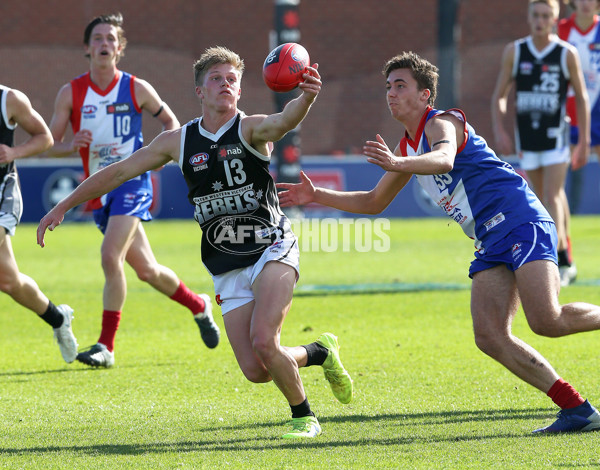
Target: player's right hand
x=296 y=194
x=83 y=138
x=50 y=221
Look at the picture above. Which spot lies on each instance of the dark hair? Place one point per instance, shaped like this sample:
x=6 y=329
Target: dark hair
x=114 y=19
x=423 y=71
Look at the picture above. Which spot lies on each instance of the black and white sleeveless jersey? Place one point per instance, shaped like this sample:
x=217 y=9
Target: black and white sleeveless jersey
x=541 y=79
x=7 y=131
x=234 y=195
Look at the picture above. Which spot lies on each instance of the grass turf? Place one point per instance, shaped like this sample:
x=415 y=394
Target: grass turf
x=425 y=396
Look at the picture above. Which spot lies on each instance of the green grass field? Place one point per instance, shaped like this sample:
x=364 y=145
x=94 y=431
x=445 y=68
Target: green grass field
x=425 y=397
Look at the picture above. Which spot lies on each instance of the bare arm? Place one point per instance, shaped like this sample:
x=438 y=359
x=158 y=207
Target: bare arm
x=19 y=111
x=504 y=143
x=160 y=151
x=63 y=106
x=581 y=151
x=260 y=129
x=360 y=202
x=445 y=134
x=148 y=99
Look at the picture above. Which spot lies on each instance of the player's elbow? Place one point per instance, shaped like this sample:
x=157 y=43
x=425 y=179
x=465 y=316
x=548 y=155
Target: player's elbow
x=445 y=164
x=48 y=142
x=374 y=205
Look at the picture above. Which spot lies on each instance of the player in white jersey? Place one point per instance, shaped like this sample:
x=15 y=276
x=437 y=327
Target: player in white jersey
x=540 y=67
x=582 y=30
x=514 y=235
x=16 y=110
x=255 y=291
x=104 y=107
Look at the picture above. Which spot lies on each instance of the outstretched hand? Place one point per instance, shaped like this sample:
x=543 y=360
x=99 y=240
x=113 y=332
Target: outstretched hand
x=380 y=154
x=312 y=81
x=50 y=221
x=296 y=194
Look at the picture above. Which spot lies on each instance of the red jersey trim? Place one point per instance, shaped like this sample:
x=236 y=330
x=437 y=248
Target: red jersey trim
x=415 y=143
x=133 y=97
x=566 y=25
x=406 y=140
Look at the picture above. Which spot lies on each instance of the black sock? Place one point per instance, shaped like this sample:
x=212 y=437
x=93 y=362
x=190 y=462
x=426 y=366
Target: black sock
x=316 y=354
x=301 y=410
x=563 y=258
x=52 y=316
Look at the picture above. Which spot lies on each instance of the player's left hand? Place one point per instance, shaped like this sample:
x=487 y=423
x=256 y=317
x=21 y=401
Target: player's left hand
x=311 y=85
x=380 y=154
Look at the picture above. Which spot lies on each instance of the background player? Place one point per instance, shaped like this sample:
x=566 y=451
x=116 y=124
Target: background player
x=541 y=67
x=104 y=107
x=582 y=31
x=16 y=110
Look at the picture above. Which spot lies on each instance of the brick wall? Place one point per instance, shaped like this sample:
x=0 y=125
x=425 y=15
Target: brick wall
x=41 y=49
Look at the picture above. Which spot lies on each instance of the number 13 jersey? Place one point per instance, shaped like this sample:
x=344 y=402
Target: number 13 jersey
x=234 y=195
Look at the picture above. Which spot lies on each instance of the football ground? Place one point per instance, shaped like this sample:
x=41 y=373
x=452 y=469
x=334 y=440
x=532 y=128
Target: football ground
x=425 y=396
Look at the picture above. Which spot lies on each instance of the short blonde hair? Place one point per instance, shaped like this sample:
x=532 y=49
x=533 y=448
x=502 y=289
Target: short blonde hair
x=213 y=56
x=554 y=4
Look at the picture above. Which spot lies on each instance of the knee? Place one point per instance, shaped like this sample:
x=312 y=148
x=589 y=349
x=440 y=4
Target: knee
x=255 y=373
x=111 y=262
x=146 y=272
x=544 y=327
x=490 y=344
x=7 y=283
x=265 y=348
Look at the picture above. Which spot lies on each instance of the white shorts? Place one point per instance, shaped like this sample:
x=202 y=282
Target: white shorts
x=11 y=203
x=234 y=288
x=534 y=160
x=9 y=223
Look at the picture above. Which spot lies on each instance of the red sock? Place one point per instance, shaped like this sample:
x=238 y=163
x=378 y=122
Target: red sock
x=569 y=250
x=188 y=298
x=564 y=395
x=110 y=325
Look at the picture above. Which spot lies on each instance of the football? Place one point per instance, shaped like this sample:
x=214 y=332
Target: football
x=284 y=66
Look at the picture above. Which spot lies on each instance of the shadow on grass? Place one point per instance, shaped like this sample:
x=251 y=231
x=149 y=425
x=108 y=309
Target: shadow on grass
x=211 y=438
x=78 y=367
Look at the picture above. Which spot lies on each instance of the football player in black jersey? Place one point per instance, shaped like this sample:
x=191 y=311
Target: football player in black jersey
x=247 y=244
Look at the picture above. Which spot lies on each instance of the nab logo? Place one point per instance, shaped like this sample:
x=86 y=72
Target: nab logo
x=118 y=108
x=199 y=159
x=88 y=109
x=296 y=68
x=227 y=152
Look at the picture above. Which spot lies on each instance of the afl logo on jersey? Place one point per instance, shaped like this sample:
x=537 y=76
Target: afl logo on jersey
x=199 y=161
x=526 y=68
x=88 y=109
